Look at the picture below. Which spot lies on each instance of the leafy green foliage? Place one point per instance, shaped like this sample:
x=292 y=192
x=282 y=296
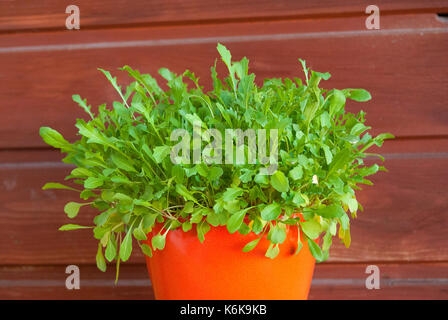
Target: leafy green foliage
x=124 y=168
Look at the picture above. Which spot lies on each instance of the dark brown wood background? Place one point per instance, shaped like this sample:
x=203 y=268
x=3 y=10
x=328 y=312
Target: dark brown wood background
x=404 y=65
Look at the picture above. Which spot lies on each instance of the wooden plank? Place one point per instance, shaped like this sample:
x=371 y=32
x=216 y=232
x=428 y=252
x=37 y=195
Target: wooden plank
x=330 y=281
x=48 y=282
x=422 y=281
x=391 y=148
x=43 y=74
x=404 y=220
x=17 y=15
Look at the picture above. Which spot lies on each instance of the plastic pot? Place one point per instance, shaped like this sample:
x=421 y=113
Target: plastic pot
x=187 y=269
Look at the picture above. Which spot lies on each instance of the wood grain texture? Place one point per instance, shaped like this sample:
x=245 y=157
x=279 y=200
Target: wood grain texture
x=19 y=15
x=396 y=65
x=404 y=65
x=418 y=281
x=330 y=281
x=404 y=218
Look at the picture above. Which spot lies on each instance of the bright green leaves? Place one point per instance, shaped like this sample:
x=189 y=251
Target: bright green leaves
x=100 y=262
x=68 y=227
x=337 y=102
x=72 y=208
x=296 y=173
x=185 y=193
x=311 y=228
x=202 y=228
x=215 y=173
x=251 y=245
x=158 y=241
x=272 y=251
x=279 y=181
x=161 y=152
x=236 y=219
x=54 y=185
x=83 y=104
x=92 y=134
x=328 y=154
x=126 y=246
x=315 y=250
x=332 y=211
x=122 y=163
x=271 y=212
x=357 y=94
x=278 y=234
x=54 y=139
x=226 y=58
x=111 y=250
x=93 y=183
x=232 y=193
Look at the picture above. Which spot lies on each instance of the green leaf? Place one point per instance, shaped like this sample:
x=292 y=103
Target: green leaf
x=311 y=228
x=158 y=241
x=139 y=234
x=68 y=227
x=83 y=104
x=337 y=102
x=93 y=183
x=236 y=219
x=358 y=94
x=146 y=249
x=324 y=76
x=111 y=250
x=183 y=191
x=332 y=211
x=215 y=173
x=72 y=209
x=328 y=154
x=251 y=245
x=55 y=185
x=100 y=262
x=161 y=153
x=126 y=246
x=279 y=182
x=271 y=211
x=54 y=138
x=299 y=243
x=178 y=173
x=186 y=226
x=232 y=193
x=201 y=229
x=315 y=250
x=278 y=234
x=296 y=173
x=272 y=251
x=122 y=162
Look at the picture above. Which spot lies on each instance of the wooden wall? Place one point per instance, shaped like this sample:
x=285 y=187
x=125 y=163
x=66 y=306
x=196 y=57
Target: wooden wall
x=404 y=65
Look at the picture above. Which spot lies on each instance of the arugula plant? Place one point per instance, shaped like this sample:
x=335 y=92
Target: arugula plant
x=124 y=170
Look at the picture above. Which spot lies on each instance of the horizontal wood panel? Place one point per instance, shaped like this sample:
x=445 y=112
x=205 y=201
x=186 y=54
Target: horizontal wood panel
x=19 y=15
x=421 y=281
x=42 y=78
x=416 y=147
x=330 y=281
x=404 y=218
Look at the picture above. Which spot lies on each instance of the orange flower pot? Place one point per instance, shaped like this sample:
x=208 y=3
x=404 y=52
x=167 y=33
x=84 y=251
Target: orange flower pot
x=218 y=269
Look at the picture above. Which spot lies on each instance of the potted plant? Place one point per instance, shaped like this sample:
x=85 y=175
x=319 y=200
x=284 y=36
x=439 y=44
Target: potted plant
x=170 y=171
